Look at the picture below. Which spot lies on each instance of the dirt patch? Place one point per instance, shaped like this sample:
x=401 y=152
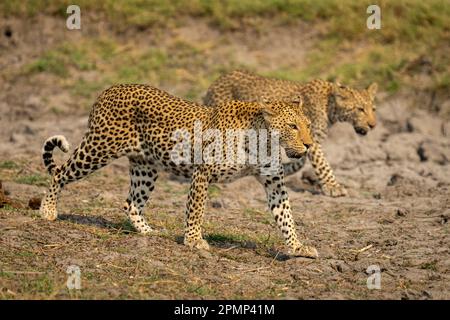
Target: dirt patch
x=5 y=201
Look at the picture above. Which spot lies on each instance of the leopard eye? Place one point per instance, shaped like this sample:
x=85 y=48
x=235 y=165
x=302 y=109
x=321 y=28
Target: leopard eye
x=293 y=126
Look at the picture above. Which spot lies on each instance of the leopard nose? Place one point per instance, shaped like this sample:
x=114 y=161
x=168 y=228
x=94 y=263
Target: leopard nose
x=372 y=125
x=307 y=145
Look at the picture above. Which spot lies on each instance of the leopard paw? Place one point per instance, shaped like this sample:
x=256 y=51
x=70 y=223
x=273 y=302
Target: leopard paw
x=147 y=230
x=200 y=244
x=301 y=250
x=334 y=191
x=48 y=212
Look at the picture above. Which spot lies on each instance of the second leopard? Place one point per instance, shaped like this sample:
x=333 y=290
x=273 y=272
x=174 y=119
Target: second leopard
x=325 y=103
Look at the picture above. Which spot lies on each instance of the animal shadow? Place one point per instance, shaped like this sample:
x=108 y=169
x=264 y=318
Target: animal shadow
x=100 y=222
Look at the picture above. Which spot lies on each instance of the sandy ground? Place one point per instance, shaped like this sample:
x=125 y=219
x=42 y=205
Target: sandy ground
x=396 y=217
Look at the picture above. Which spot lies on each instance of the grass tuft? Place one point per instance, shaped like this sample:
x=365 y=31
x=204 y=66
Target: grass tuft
x=345 y=49
x=8 y=164
x=33 y=179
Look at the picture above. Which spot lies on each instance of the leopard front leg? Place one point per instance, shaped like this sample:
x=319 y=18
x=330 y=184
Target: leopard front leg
x=280 y=207
x=294 y=166
x=195 y=208
x=322 y=168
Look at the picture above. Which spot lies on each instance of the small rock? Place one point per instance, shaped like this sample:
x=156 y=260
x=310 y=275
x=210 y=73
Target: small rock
x=8 y=32
x=402 y=212
x=296 y=277
x=34 y=203
x=421 y=153
x=249 y=245
x=29 y=130
x=6 y=201
x=216 y=204
x=394 y=179
x=390 y=242
x=427 y=295
x=434 y=151
x=409 y=294
x=339 y=266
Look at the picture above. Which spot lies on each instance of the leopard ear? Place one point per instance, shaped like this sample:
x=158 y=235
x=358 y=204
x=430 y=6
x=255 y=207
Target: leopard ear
x=337 y=92
x=264 y=100
x=298 y=100
x=339 y=85
x=337 y=88
x=372 y=89
x=267 y=110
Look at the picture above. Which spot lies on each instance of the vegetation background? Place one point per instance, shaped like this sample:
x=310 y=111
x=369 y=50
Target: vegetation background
x=330 y=40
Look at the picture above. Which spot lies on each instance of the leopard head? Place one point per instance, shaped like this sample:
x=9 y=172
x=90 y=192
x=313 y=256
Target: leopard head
x=355 y=106
x=293 y=126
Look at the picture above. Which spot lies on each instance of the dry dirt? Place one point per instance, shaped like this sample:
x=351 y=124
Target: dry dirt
x=396 y=216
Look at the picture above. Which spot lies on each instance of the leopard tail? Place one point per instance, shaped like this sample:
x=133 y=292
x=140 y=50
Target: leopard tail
x=47 y=151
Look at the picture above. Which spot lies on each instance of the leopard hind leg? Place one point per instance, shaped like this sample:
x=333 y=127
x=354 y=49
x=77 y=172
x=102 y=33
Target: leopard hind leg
x=91 y=155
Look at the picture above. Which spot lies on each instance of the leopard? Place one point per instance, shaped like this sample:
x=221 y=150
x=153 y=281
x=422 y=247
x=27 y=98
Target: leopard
x=325 y=103
x=141 y=122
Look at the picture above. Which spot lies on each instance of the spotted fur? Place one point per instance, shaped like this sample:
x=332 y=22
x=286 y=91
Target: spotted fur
x=47 y=151
x=137 y=121
x=325 y=103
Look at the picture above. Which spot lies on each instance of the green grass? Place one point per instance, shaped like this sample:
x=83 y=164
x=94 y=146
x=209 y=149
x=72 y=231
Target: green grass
x=125 y=226
x=361 y=61
x=258 y=215
x=216 y=235
x=59 y=60
x=33 y=179
x=225 y=237
x=8 y=164
x=202 y=290
x=116 y=63
x=142 y=67
x=432 y=265
x=25 y=254
x=42 y=284
x=345 y=50
x=8 y=207
x=85 y=89
x=213 y=191
x=409 y=19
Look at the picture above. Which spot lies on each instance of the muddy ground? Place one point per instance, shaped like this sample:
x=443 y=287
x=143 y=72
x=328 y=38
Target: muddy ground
x=395 y=217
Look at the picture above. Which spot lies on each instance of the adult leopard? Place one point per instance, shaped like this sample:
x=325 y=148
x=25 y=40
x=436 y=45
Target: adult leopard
x=139 y=122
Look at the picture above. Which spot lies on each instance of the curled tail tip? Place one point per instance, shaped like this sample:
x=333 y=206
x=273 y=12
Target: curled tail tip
x=64 y=146
x=47 y=151
x=56 y=141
